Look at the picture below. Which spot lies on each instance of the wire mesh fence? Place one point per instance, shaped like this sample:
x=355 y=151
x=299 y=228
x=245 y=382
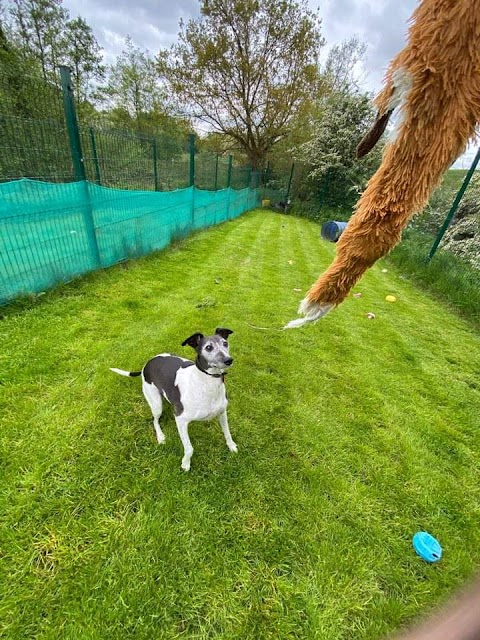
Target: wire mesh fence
x=52 y=232
x=131 y=160
x=75 y=197
x=279 y=184
x=28 y=95
x=34 y=141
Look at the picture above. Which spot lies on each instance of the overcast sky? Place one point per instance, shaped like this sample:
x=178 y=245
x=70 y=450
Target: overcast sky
x=153 y=24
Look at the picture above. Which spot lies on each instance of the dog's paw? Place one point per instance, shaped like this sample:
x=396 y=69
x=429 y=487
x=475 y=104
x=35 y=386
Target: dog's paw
x=159 y=435
x=233 y=447
x=186 y=465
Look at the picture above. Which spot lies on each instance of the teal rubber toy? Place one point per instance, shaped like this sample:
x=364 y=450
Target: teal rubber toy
x=427 y=546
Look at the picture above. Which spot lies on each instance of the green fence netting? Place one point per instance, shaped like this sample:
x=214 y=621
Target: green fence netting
x=78 y=194
x=50 y=233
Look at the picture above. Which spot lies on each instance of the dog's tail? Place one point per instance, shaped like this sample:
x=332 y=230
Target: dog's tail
x=121 y=372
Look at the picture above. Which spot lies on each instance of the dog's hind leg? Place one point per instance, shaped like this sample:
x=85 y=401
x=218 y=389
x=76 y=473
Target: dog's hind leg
x=154 y=399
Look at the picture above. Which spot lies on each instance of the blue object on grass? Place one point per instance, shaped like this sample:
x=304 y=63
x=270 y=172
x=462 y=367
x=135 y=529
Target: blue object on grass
x=427 y=546
x=332 y=230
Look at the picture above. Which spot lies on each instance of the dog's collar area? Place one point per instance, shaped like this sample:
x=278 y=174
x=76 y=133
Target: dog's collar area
x=213 y=375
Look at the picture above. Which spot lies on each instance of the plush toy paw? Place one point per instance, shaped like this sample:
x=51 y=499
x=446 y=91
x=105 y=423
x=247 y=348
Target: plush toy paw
x=312 y=311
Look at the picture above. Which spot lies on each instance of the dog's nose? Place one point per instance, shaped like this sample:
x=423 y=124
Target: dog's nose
x=229 y=361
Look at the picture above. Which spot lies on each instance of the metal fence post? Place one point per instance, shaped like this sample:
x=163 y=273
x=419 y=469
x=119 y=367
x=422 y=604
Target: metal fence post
x=77 y=159
x=155 y=165
x=96 y=164
x=289 y=182
x=72 y=123
x=229 y=183
x=454 y=207
x=216 y=173
x=229 y=172
x=191 y=139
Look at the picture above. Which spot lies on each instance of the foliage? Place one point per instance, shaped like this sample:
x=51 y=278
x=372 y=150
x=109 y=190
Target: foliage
x=42 y=30
x=462 y=237
x=136 y=99
x=447 y=276
x=431 y=218
x=15 y=95
x=172 y=130
x=245 y=68
x=33 y=141
x=216 y=142
x=133 y=83
x=32 y=127
x=341 y=67
x=38 y=27
x=82 y=52
x=338 y=75
x=336 y=176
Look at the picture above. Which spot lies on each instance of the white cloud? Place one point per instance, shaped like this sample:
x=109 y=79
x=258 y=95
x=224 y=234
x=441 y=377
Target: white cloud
x=380 y=24
x=152 y=24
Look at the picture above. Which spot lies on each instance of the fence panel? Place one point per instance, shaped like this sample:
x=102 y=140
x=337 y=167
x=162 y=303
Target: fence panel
x=78 y=196
x=45 y=236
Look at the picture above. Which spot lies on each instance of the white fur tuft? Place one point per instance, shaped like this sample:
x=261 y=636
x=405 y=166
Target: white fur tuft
x=120 y=372
x=402 y=83
x=312 y=312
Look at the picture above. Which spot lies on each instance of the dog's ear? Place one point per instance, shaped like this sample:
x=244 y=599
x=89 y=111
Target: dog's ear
x=220 y=331
x=193 y=341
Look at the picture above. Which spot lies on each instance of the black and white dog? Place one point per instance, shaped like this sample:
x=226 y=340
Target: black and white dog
x=196 y=390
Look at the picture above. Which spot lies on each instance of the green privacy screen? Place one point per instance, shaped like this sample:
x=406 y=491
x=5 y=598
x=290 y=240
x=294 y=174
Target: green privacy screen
x=50 y=233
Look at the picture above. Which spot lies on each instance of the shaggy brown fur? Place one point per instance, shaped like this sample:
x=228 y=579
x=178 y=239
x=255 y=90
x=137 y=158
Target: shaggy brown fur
x=435 y=80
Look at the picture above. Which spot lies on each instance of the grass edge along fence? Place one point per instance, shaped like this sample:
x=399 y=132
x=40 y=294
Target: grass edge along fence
x=51 y=232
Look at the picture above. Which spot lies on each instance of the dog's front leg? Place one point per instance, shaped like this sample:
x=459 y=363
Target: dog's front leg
x=182 y=426
x=226 y=432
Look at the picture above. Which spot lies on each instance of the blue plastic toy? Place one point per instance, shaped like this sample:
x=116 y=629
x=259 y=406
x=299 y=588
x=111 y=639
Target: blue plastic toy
x=332 y=230
x=427 y=546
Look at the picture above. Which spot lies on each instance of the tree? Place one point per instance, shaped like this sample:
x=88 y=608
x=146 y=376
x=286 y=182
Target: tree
x=38 y=26
x=42 y=29
x=81 y=51
x=336 y=176
x=15 y=93
x=340 y=71
x=245 y=67
x=136 y=100
x=132 y=84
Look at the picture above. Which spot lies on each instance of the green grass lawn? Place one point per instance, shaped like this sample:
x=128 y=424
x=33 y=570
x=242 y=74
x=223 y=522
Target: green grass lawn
x=453 y=178
x=353 y=434
x=446 y=276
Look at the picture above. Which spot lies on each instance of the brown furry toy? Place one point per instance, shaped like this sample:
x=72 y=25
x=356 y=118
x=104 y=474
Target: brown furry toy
x=434 y=84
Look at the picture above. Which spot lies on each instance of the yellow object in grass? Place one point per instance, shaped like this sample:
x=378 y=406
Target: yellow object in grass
x=390 y=299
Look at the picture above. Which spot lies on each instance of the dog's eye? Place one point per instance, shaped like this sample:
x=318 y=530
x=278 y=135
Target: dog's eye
x=208 y=347
x=225 y=344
